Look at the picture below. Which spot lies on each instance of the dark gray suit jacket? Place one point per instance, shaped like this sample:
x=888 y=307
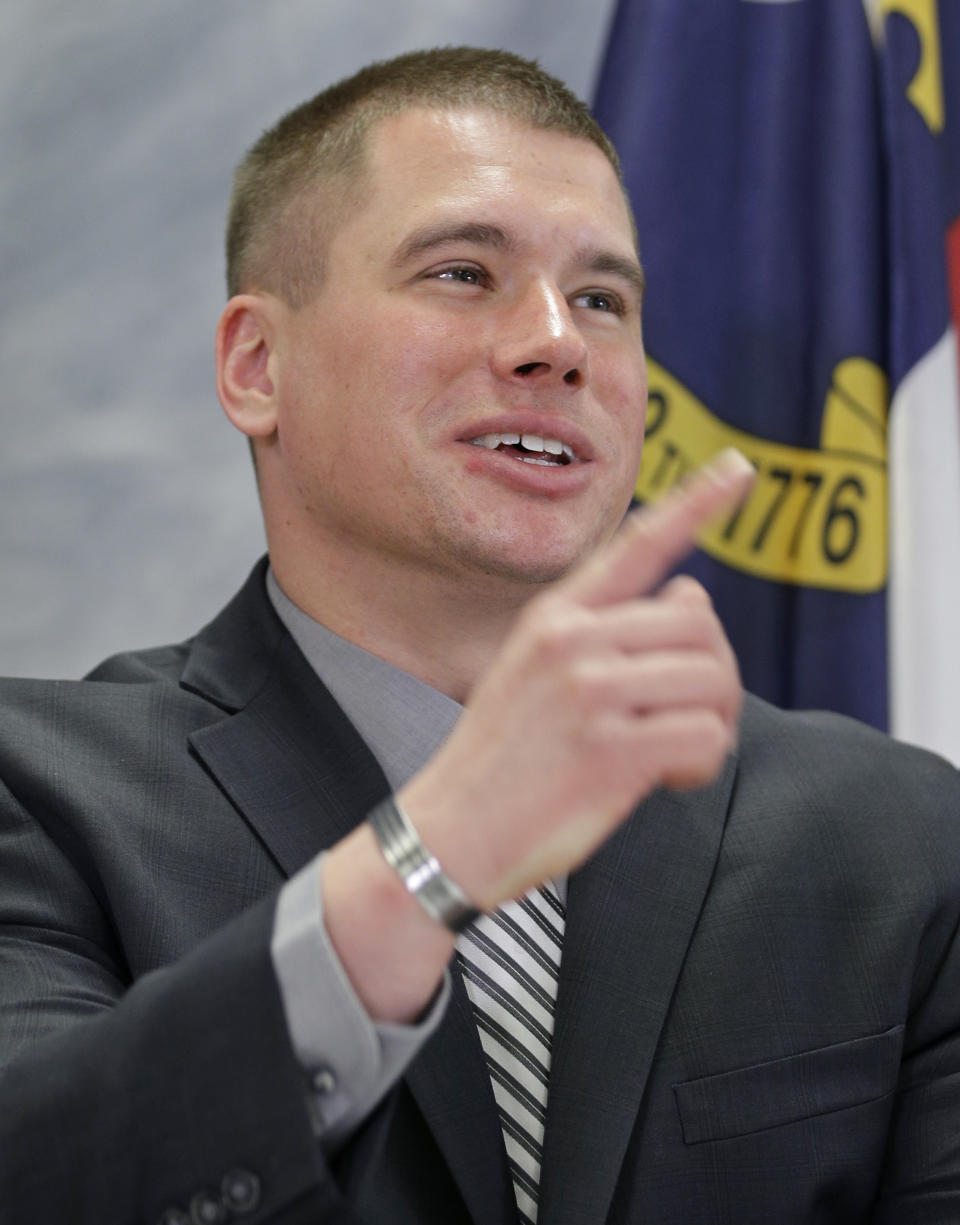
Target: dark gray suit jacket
x=757 y=1016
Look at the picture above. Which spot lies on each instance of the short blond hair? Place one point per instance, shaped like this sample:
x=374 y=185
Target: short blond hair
x=279 y=224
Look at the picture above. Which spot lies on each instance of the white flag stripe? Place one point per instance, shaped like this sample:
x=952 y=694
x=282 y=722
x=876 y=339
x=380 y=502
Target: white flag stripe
x=924 y=589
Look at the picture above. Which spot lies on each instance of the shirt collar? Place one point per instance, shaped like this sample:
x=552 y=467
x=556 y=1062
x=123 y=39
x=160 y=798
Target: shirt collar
x=403 y=720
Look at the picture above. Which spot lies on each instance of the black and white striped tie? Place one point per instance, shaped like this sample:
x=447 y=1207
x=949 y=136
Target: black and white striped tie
x=510 y=962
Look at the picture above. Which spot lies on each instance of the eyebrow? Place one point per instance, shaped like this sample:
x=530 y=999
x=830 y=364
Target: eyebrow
x=480 y=233
x=598 y=260
x=484 y=234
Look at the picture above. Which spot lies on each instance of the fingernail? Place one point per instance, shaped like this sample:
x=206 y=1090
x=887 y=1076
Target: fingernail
x=731 y=464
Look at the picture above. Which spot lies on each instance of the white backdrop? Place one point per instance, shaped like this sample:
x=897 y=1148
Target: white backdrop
x=127 y=505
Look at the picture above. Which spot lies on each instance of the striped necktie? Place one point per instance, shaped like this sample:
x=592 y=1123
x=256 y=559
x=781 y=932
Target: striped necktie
x=510 y=962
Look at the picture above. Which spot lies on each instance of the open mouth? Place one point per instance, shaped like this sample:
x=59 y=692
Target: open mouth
x=529 y=448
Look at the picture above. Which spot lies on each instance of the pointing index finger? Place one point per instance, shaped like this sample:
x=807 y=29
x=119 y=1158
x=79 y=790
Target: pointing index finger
x=654 y=538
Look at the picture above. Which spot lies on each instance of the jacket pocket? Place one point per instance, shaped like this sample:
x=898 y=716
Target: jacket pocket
x=786 y=1090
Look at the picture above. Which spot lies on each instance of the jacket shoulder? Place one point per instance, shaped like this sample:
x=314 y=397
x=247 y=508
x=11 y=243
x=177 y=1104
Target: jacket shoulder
x=825 y=785
x=821 y=746
x=143 y=667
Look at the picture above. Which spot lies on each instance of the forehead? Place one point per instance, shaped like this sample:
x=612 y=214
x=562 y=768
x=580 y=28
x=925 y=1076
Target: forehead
x=477 y=161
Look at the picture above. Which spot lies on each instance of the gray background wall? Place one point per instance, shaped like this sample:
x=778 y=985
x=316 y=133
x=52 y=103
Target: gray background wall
x=127 y=506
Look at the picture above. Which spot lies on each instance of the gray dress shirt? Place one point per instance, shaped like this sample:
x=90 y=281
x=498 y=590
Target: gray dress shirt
x=353 y=1062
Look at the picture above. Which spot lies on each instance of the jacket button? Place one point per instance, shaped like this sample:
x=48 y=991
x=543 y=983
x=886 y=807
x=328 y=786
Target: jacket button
x=174 y=1216
x=240 y=1190
x=206 y=1209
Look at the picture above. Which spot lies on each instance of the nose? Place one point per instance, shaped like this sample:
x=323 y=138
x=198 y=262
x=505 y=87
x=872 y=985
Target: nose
x=539 y=342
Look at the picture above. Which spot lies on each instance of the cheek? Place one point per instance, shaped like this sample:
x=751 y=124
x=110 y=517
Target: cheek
x=427 y=356
x=643 y=396
x=392 y=374
x=438 y=333
x=630 y=391
x=625 y=398
x=626 y=404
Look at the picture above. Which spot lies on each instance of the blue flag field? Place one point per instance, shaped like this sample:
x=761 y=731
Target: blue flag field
x=794 y=167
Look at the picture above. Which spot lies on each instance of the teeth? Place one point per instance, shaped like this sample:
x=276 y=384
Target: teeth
x=543 y=463
x=529 y=442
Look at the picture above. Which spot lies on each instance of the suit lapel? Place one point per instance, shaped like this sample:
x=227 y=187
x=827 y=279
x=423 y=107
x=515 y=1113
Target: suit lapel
x=301 y=776
x=631 y=912
x=293 y=764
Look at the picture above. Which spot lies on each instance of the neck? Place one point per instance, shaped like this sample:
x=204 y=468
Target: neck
x=444 y=629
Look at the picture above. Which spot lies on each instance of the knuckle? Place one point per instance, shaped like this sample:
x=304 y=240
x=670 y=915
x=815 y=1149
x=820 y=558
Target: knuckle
x=713 y=744
x=586 y=683
x=724 y=680
x=704 y=629
x=699 y=750
x=644 y=531
x=601 y=736
x=705 y=620
x=683 y=589
x=554 y=632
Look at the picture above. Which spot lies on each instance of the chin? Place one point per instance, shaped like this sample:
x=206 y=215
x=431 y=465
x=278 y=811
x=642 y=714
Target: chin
x=523 y=563
x=530 y=550
x=538 y=573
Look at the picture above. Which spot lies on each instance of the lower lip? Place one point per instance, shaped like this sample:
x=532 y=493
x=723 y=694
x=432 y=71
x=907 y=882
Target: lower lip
x=552 y=479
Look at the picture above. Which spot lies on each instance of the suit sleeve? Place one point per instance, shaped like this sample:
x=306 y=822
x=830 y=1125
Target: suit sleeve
x=351 y=1062
x=921 y=1168
x=921 y=1176
x=144 y=1102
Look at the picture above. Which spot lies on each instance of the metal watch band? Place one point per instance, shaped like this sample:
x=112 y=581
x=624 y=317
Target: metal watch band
x=420 y=872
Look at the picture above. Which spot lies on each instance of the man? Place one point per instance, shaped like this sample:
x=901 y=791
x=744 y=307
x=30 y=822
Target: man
x=433 y=340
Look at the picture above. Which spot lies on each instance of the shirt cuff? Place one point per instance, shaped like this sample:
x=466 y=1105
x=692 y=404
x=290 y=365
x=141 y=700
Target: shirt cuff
x=350 y=1062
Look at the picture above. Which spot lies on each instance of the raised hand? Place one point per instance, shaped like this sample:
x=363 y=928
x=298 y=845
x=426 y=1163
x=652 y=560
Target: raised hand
x=608 y=686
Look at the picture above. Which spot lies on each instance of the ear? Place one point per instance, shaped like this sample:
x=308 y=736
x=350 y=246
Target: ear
x=245 y=364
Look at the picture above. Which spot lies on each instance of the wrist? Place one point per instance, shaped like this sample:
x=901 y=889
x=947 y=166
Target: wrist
x=392 y=951
x=420 y=872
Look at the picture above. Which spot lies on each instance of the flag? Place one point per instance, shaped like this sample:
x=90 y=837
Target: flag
x=793 y=168
x=920 y=58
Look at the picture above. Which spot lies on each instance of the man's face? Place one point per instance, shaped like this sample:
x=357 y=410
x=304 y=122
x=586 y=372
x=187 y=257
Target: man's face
x=484 y=296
